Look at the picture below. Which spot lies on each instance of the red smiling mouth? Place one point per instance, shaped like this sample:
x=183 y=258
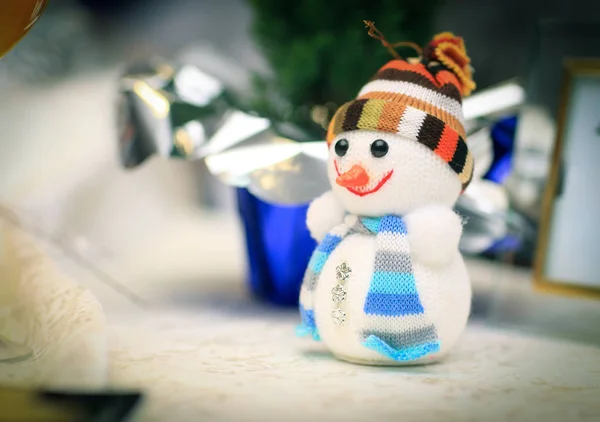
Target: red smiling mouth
x=356 y=185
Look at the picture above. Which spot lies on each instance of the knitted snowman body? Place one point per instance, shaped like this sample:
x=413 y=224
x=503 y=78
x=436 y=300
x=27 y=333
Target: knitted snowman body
x=387 y=283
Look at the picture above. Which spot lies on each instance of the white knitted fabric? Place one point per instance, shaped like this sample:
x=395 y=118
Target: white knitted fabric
x=422 y=190
x=420 y=177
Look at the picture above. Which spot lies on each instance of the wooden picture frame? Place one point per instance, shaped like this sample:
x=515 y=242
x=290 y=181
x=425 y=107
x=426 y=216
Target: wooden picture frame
x=543 y=282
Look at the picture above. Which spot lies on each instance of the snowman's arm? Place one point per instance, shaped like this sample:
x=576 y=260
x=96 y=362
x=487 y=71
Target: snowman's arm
x=434 y=234
x=323 y=214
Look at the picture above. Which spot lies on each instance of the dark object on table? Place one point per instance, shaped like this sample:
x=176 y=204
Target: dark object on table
x=101 y=407
x=18 y=404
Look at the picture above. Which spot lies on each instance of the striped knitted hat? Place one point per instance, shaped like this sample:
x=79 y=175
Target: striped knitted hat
x=418 y=99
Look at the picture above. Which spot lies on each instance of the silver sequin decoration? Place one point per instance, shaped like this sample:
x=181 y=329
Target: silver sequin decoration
x=338 y=293
x=343 y=271
x=338 y=316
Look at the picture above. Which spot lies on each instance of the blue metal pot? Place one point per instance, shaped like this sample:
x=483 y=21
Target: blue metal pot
x=278 y=247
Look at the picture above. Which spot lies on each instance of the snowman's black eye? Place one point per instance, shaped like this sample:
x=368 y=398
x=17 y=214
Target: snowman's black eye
x=379 y=148
x=341 y=147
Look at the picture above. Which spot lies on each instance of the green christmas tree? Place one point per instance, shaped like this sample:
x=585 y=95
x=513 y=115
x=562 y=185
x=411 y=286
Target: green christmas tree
x=321 y=55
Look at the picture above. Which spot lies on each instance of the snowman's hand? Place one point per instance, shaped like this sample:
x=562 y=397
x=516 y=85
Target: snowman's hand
x=324 y=213
x=433 y=233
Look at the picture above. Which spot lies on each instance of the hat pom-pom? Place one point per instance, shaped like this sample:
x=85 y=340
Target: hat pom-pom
x=450 y=50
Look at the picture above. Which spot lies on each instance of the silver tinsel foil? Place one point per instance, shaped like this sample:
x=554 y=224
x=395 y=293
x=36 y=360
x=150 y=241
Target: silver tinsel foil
x=180 y=111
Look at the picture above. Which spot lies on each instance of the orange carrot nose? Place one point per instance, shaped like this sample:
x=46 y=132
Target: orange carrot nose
x=354 y=178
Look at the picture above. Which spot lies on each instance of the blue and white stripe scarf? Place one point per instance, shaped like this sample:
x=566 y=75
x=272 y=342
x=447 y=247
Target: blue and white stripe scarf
x=392 y=293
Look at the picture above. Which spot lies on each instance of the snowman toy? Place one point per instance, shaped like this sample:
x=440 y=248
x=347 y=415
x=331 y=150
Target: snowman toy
x=387 y=284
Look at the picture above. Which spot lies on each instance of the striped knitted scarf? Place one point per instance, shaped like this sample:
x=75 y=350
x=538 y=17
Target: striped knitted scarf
x=397 y=325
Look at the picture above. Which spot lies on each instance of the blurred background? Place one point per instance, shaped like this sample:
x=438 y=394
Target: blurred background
x=162 y=154
x=152 y=223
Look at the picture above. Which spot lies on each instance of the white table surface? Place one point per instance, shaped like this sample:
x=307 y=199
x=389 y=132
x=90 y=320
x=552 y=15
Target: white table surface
x=238 y=364
x=201 y=348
